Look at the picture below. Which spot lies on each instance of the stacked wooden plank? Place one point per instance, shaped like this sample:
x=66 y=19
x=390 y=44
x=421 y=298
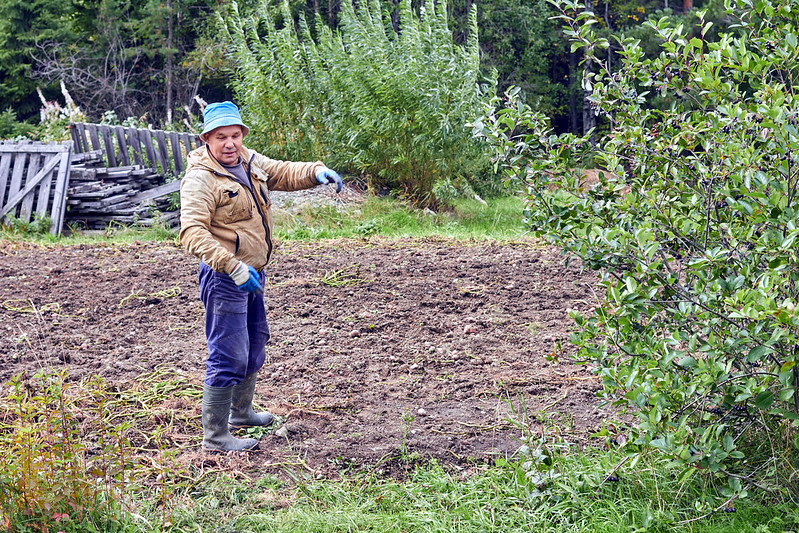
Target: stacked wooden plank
x=164 y=151
x=99 y=196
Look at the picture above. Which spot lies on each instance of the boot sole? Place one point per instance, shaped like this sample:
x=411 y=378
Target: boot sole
x=245 y=426
x=220 y=450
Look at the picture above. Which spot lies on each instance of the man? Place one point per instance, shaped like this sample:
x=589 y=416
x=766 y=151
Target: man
x=226 y=221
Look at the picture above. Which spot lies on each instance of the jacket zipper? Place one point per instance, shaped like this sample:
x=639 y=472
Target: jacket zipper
x=251 y=188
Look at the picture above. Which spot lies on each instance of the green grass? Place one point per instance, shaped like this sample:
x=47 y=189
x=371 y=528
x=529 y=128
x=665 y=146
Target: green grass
x=500 y=219
x=503 y=498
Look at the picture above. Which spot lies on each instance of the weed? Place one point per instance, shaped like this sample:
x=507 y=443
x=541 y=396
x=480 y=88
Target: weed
x=369 y=227
x=344 y=277
x=172 y=292
x=49 y=473
x=38 y=226
x=407 y=419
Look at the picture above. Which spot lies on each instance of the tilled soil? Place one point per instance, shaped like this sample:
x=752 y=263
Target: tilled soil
x=383 y=353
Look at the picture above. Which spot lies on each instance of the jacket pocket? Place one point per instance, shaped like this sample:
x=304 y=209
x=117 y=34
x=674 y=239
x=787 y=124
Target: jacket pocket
x=235 y=207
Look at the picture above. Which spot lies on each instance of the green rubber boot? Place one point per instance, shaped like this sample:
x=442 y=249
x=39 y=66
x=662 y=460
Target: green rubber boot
x=242 y=414
x=216 y=410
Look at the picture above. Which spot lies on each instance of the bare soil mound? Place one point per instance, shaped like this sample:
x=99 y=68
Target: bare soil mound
x=381 y=351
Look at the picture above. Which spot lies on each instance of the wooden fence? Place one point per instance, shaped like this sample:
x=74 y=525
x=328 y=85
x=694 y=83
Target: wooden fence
x=162 y=151
x=33 y=180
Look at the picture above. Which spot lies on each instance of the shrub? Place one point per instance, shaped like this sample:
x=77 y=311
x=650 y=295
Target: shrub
x=11 y=128
x=50 y=479
x=388 y=102
x=693 y=230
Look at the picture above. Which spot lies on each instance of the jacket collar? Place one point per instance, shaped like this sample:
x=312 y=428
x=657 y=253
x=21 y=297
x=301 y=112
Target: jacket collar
x=202 y=158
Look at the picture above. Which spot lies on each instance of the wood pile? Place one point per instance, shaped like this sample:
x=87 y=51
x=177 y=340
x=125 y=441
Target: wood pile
x=98 y=196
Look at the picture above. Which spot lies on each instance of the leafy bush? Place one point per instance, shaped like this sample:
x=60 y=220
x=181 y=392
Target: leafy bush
x=694 y=231
x=391 y=104
x=50 y=478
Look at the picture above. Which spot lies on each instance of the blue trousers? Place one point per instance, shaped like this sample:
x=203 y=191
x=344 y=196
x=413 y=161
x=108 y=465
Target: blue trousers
x=235 y=327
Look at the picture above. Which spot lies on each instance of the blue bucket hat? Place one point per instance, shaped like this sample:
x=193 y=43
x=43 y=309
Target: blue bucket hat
x=221 y=114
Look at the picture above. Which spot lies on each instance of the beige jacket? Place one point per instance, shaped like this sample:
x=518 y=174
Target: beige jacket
x=221 y=221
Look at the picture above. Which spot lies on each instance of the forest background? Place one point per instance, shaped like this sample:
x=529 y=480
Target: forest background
x=149 y=60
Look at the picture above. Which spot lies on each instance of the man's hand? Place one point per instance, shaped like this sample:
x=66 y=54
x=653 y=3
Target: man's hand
x=247 y=278
x=325 y=175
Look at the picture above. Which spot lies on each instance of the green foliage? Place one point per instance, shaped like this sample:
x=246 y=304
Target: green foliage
x=38 y=226
x=25 y=25
x=389 y=105
x=591 y=490
x=11 y=128
x=694 y=231
x=526 y=46
x=469 y=219
x=51 y=478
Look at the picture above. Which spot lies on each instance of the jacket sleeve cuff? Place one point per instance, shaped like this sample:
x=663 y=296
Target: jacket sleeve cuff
x=231 y=265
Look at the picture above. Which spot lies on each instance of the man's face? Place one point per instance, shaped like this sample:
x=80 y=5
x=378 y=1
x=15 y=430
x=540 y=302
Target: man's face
x=225 y=144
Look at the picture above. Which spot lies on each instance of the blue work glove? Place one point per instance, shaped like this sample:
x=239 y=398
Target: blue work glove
x=325 y=175
x=247 y=278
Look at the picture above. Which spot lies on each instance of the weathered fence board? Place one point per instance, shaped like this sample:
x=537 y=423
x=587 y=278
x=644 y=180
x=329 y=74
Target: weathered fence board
x=123 y=154
x=160 y=150
x=26 y=186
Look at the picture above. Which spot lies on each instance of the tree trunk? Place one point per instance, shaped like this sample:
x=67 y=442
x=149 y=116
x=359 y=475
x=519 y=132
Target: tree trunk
x=169 y=38
x=687 y=5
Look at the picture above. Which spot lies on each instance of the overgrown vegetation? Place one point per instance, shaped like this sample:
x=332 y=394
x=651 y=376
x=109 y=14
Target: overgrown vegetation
x=386 y=95
x=694 y=229
x=83 y=456
x=75 y=455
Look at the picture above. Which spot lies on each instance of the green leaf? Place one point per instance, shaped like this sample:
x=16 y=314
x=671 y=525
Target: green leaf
x=757 y=353
x=764 y=400
x=786 y=394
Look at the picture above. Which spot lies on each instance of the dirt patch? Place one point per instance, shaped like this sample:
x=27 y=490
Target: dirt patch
x=381 y=350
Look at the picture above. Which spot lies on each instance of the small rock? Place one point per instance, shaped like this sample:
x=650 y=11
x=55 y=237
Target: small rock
x=282 y=432
x=355 y=333
x=323 y=331
x=470 y=329
x=421 y=412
